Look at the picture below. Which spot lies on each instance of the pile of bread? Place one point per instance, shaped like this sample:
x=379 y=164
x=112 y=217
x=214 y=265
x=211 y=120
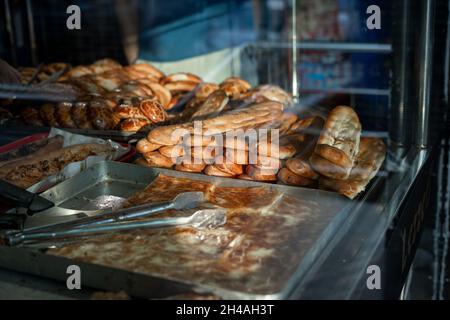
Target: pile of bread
x=109 y=97
x=132 y=98
x=311 y=152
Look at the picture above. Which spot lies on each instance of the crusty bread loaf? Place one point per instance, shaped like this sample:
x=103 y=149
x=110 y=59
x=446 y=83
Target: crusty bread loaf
x=226 y=165
x=172 y=151
x=156 y=159
x=369 y=160
x=133 y=124
x=212 y=170
x=237 y=156
x=372 y=152
x=257 y=174
x=267 y=163
x=144 y=146
x=194 y=165
x=288 y=177
x=300 y=166
x=232 y=120
x=193 y=169
x=328 y=168
x=213 y=105
x=339 y=141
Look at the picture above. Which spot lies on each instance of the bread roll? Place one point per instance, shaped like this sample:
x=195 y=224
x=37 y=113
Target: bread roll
x=190 y=168
x=156 y=159
x=32 y=117
x=181 y=76
x=267 y=163
x=180 y=86
x=142 y=162
x=339 y=141
x=153 y=110
x=80 y=115
x=369 y=160
x=328 y=168
x=213 y=105
x=224 y=164
x=133 y=124
x=144 y=146
x=63 y=113
x=47 y=113
x=212 y=170
x=205 y=89
x=244 y=177
x=288 y=177
x=261 y=175
x=164 y=96
x=372 y=152
x=194 y=165
x=237 y=156
x=207 y=154
x=172 y=151
x=300 y=166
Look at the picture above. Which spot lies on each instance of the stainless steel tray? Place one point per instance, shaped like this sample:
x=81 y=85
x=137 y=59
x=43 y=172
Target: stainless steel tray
x=119 y=179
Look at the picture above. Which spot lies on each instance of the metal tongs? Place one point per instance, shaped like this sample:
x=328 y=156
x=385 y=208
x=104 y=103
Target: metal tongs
x=186 y=200
x=114 y=220
x=206 y=218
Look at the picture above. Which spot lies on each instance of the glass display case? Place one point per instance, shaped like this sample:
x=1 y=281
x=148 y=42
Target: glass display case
x=387 y=60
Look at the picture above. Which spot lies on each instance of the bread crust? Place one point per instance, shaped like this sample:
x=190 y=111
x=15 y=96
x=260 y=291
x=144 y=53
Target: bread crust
x=328 y=168
x=288 y=177
x=369 y=161
x=144 y=146
x=226 y=165
x=261 y=175
x=339 y=141
x=156 y=159
x=232 y=120
x=172 y=151
x=301 y=167
x=212 y=170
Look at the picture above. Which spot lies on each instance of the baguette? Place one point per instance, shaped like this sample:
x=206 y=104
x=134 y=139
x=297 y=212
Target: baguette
x=232 y=120
x=339 y=141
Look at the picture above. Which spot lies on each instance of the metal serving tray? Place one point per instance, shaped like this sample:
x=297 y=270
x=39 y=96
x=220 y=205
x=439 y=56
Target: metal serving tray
x=119 y=179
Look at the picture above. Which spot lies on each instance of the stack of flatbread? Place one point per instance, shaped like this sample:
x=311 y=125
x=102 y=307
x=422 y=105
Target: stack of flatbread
x=345 y=161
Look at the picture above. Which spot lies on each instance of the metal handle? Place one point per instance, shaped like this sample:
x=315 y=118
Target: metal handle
x=22 y=198
x=19 y=237
x=184 y=200
x=106 y=217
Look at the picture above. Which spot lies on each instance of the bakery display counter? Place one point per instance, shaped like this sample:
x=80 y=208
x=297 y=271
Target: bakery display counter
x=257 y=153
